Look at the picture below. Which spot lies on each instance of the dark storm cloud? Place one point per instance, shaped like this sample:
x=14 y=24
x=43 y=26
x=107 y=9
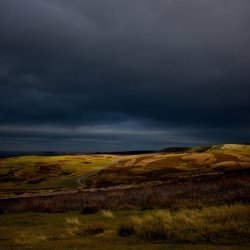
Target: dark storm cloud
x=178 y=68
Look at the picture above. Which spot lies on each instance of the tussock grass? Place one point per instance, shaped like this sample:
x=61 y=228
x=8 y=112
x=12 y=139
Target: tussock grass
x=88 y=229
x=225 y=224
x=107 y=214
x=75 y=227
x=130 y=226
x=72 y=230
x=27 y=237
x=73 y=221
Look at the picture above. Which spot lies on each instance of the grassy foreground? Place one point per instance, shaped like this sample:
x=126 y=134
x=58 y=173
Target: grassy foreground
x=131 y=229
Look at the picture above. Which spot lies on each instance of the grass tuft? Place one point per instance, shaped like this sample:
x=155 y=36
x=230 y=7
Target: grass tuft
x=107 y=214
x=73 y=221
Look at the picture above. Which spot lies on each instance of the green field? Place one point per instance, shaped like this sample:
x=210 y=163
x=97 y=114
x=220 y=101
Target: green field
x=47 y=173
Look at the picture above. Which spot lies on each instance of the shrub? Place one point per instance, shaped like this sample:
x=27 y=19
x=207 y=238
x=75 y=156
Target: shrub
x=129 y=227
x=89 y=210
x=52 y=210
x=1 y=211
x=185 y=194
x=95 y=228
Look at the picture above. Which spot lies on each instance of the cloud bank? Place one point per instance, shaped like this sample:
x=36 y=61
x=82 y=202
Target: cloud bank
x=111 y=75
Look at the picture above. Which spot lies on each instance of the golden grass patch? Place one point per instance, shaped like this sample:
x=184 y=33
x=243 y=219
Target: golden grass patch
x=225 y=224
x=73 y=221
x=107 y=214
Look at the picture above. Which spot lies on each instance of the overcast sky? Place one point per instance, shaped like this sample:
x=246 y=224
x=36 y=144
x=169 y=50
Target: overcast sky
x=89 y=75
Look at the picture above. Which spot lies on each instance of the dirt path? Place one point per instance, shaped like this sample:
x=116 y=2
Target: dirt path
x=80 y=181
x=79 y=190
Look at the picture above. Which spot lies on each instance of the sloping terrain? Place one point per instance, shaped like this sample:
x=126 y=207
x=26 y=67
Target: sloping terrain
x=192 y=198
x=215 y=162
x=47 y=172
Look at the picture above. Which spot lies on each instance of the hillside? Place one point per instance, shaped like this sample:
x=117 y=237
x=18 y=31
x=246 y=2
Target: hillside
x=47 y=173
x=179 y=164
x=178 y=198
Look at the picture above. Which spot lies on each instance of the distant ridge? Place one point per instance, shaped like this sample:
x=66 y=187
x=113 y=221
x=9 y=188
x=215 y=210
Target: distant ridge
x=132 y=152
x=232 y=147
x=7 y=154
x=185 y=149
x=223 y=147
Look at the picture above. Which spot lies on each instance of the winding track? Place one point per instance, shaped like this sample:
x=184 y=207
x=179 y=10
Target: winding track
x=80 y=181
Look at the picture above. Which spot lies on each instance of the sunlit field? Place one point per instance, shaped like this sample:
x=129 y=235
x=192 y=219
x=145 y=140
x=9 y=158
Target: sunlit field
x=175 y=167
x=47 y=173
